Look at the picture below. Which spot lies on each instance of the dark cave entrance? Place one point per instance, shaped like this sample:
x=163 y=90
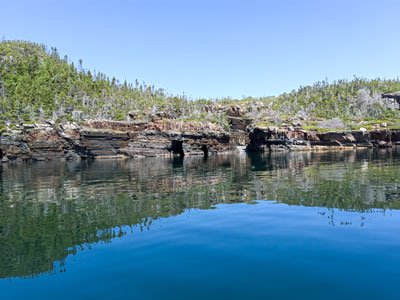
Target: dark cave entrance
x=1 y=154
x=205 y=150
x=177 y=148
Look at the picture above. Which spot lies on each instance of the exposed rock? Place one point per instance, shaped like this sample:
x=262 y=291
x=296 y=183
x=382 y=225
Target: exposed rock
x=28 y=126
x=236 y=111
x=271 y=138
x=238 y=124
x=134 y=114
x=100 y=139
x=342 y=137
x=395 y=96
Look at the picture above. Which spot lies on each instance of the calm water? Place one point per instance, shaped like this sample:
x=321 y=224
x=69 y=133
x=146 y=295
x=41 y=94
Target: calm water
x=296 y=226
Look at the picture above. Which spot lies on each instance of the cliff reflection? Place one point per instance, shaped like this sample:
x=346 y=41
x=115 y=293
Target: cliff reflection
x=50 y=210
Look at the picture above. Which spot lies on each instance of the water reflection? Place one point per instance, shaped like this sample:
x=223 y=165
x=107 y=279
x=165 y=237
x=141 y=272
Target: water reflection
x=49 y=210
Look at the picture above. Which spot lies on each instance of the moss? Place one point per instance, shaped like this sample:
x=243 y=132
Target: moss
x=13 y=126
x=3 y=128
x=264 y=124
x=322 y=130
x=310 y=127
x=69 y=117
x=119 y=116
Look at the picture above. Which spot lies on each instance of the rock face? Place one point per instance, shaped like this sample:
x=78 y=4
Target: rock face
x=99 y=139
x=39 y=142
x=271 y=138
x=106 y=139
x=154 y=138
x=395 y=96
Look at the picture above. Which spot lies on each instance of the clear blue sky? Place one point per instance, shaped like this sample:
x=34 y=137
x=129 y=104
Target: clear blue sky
x=217 y=48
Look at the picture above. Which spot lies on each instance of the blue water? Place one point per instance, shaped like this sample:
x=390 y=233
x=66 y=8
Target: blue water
x=287 y=226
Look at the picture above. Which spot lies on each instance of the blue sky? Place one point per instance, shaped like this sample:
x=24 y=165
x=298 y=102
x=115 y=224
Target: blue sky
x=217 y=48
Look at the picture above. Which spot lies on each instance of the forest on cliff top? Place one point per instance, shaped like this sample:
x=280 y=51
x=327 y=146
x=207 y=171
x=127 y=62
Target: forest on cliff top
x=37 y=84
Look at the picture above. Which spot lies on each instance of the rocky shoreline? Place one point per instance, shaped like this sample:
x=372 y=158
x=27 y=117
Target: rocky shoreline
x=267 y=139
x=115 y=139
x=111 y=139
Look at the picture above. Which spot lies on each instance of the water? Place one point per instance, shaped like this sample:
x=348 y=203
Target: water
x=285 y=225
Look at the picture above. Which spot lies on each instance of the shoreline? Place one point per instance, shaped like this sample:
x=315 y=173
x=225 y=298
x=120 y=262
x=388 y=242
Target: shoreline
x=117 y=140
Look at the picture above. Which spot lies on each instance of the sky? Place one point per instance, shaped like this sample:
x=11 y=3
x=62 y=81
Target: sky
x=215 y=49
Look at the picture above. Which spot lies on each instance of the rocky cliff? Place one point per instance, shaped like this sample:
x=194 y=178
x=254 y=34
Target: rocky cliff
x=273 y=138
x=99 y=139
x=110 y=139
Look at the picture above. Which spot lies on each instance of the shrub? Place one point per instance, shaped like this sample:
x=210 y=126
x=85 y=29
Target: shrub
x=335 y=123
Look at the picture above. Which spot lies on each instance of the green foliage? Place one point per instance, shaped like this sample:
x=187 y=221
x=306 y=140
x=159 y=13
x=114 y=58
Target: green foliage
x=36 y=84
x=344 y=99
x=3 y=128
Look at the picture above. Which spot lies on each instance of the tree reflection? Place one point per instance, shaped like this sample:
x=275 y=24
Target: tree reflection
x=51 y=210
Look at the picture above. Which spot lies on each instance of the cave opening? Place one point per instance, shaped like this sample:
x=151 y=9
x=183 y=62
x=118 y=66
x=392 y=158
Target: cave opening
x=205 y=150
x=177 y=148
x=1 y=154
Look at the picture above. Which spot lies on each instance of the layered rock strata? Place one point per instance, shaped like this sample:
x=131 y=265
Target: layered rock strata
x=110 y=139
x=272 y=138
x=99 y=139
